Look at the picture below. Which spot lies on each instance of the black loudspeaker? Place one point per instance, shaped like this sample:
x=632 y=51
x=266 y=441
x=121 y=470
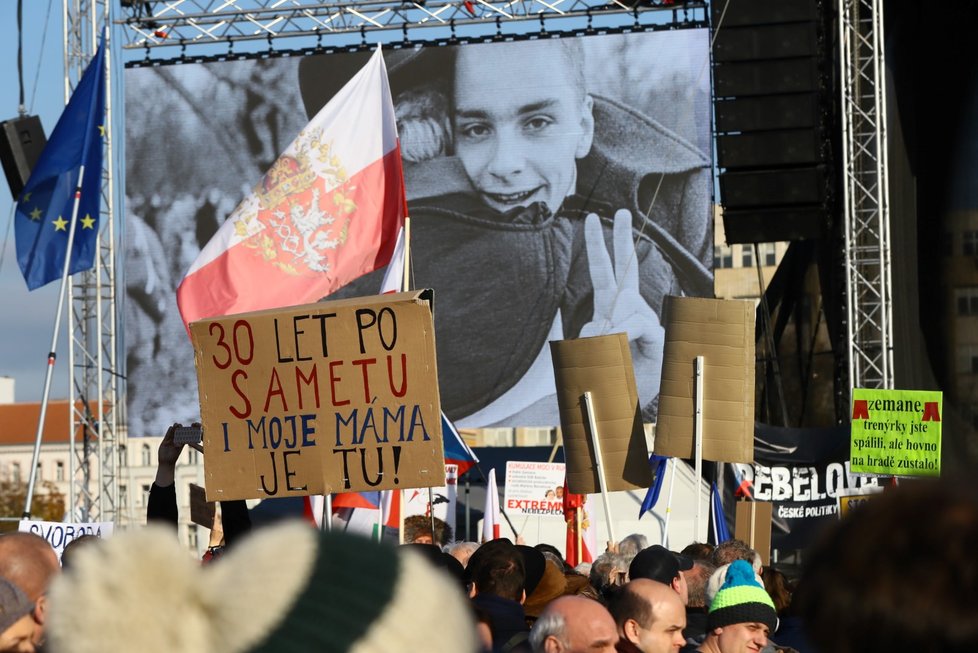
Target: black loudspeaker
x=765 y=225
x=770 y=148
x=768 y=112
x=768 y=188
x=21 y=142
x=765 y=42
x=741 y=78
x=735 y=13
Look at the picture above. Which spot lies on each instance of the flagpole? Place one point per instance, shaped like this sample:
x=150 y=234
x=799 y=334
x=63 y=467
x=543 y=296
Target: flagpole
x=53 y=355
x=698 y=443
x=672 y=484
x=405 y=281
x=592 y=424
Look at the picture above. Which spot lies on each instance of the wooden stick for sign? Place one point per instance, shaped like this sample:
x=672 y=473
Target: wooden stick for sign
x=753 y=519
x=406 y=282
x=698 y=439
x=579 y=517
x=672 y=485
x=326 y=523
x=380 y=517
x=592 y=428
x=400 y=518
x=431 y=515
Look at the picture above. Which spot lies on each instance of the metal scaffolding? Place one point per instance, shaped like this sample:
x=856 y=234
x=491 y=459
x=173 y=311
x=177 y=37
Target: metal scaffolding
x=96 y=430
x=866 y=203
x=189 y=24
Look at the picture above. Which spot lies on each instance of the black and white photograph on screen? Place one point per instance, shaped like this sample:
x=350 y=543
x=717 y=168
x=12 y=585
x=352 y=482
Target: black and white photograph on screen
x=557 y=188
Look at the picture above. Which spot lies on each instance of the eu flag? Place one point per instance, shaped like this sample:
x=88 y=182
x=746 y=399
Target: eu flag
x=44 y=208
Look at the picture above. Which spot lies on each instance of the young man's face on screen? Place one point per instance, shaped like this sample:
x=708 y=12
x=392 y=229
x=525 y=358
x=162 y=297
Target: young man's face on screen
x=521 y=121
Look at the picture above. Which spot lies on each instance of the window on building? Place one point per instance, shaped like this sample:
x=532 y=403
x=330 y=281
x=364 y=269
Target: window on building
x=123 y=461
x=770 y=253
x=59 y=471
x=15 y=474
x=145 y=495
x=40 y=472
x=967 y=359
x=124 y=495
x=967 y=300
x=747 y=256
x=969 y=243
x=192 y=456
x=147 y=456
x=722 y=256
x=192 y=536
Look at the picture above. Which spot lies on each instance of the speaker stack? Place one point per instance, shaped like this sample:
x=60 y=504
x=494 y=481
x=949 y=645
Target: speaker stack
x=774 y=114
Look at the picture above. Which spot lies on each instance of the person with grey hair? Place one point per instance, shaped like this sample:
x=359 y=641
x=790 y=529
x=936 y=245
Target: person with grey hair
x=607 y=570
x=573 y=624
x=461 y=551
x=631 y=545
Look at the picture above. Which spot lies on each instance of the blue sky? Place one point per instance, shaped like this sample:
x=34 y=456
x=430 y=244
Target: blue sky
x=27 y=319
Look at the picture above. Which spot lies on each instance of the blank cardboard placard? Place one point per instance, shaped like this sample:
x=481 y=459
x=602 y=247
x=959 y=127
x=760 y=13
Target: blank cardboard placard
x=337 y=396
x=601 y=365
x=202 y=511
x=722 y=331
x=753 y=526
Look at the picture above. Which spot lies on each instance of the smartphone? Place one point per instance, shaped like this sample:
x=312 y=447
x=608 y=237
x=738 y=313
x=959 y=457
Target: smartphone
x=187 y=435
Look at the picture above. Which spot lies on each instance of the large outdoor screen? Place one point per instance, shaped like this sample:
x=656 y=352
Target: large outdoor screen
x=557 y=188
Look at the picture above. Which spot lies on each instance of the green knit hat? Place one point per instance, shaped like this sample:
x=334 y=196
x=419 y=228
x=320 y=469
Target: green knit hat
x=741 y=600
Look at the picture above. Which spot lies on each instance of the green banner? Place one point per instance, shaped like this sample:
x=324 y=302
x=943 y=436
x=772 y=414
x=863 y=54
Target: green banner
x=896 y=432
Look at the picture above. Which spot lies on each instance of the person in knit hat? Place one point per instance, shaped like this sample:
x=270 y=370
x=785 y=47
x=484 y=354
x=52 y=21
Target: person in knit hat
x=741 y=615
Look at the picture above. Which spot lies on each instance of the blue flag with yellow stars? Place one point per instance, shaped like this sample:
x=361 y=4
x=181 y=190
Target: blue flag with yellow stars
x=45 y=206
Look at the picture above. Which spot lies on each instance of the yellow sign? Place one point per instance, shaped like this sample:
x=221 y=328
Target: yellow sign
x=896 y=432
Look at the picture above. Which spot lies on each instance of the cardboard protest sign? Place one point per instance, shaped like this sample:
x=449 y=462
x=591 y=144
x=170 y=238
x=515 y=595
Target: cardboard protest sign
x=896 y=432
x=60 y=535
x=752 y=525
x=848 y=504
x=337 y=396
x=534 y=488
x=444 y=499
x=722 y=331
x=202 y=511
x=601 y=365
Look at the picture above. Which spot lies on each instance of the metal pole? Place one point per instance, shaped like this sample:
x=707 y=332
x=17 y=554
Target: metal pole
x=698 y=439
x=52 y=355
x=602 y=482
x=672 y=485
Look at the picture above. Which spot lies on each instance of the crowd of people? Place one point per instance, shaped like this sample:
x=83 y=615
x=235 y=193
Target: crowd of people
x=899 y=574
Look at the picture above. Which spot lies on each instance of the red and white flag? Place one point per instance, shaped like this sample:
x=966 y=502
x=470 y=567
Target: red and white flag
x=581 y=542
x=490 y=518
x=327 y=212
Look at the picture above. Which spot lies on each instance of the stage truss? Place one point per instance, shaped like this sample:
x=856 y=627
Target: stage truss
x=188 y=27
x=866 y=195
x=180 y=29
x=95 y=463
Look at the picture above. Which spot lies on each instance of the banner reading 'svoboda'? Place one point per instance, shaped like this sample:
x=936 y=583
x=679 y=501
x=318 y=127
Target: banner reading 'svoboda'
x=896 y=432
x=330 y=397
